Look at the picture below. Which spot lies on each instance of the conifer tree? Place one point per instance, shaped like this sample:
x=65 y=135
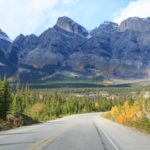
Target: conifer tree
x=5 y=98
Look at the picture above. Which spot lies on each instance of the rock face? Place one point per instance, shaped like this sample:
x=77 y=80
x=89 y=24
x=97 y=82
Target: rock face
x=4 y=36
x=106 y=27
x=5 y=42
x=69 y=25
x=53 y=47
x=69 y=50
x=136 y=24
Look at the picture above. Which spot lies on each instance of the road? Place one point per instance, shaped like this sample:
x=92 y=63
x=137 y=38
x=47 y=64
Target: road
x=77 y=132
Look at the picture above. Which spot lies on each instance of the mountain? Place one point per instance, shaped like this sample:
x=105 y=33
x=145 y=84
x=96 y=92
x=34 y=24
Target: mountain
x=106 y=27
x=71 y=26
x=68 y=50
x=5 y=42
x=136 y=24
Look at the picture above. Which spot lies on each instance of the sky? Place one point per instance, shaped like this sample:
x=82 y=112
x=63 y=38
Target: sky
x=35 y=16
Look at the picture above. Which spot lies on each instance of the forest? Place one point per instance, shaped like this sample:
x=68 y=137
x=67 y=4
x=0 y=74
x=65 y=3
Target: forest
x=20 y=105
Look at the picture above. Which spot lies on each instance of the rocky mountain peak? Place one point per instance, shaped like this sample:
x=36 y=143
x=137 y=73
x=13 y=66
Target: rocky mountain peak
x=135 y=24
x=4 y=36
x=106 y=27
x=69 y=25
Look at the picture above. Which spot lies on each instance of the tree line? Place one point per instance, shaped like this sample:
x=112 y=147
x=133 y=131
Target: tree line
x=39 y=105
x=42 y=106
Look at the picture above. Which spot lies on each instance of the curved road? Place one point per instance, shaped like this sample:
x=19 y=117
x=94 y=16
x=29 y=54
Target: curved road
x=77 y=132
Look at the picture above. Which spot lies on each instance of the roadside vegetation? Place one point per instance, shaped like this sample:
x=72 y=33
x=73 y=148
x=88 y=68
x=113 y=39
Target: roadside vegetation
x=20 y=105
x=131 y=113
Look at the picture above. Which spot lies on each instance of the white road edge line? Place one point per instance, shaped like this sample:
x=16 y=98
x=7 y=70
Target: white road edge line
x=106 y=135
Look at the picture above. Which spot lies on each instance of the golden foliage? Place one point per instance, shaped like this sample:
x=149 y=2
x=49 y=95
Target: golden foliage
x=114 y=111
x=97 y=105
x=127 y=112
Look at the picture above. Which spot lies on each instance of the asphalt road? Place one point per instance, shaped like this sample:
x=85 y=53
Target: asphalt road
x=77 y=132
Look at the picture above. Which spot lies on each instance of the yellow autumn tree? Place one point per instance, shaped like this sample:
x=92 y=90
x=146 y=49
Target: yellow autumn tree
x=114 y=112
x=127 y=112
x=97 y=106
x=137 y=111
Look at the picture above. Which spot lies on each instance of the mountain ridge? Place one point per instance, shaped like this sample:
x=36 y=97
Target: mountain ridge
x=69 y=50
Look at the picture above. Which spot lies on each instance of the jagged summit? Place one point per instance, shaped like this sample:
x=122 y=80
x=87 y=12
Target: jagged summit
x=69 y=25
x=109 y=26
x=106 y=27
x=4 y=36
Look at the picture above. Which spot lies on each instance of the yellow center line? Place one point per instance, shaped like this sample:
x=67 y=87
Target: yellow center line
x=51 y=138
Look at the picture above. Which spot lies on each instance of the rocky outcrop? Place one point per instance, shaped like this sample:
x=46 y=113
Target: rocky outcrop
x=135 y=24
x=106 y=27
x=5 y=42
x=69 y=25
x=4 y=36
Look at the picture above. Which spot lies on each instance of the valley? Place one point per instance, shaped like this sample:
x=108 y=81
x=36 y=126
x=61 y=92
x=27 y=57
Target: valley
x=75 y=75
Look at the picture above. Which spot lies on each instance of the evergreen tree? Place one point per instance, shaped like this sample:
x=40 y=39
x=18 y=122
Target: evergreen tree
x=5 y=98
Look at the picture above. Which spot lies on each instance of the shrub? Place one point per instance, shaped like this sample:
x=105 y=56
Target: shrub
x=131 y=114
x=38 y=111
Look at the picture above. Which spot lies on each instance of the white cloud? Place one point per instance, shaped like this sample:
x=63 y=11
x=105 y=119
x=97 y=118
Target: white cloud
x=68 y=1
x=138 y=8
x=28 y=16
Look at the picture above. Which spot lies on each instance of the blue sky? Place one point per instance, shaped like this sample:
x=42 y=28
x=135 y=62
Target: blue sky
x=91 y=13
x=35 y=16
